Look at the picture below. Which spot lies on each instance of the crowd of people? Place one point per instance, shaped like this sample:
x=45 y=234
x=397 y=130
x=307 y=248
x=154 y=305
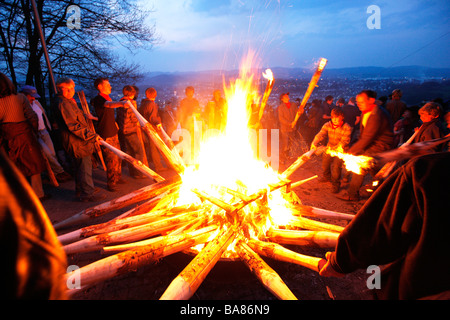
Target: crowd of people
x=32 y=143
x=363 y=125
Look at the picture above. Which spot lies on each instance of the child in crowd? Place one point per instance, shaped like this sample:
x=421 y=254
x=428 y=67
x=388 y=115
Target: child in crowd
x=337 y=133
x=430 y=128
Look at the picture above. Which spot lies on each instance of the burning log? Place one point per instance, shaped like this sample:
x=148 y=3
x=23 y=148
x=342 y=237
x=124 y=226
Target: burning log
x=171 y=157
x=270 y=82
x=184 y=229
x=309 y=224
x=312 y=85
x=113 y=225
x=188 y=281
x=268 y=277
x=277 y=252
x=136 y=163
x=139 y=232
x=298 y=163
x=144 y=193
x=303 y=210
x=322 y=239
x=405 y=151
x=131 y=260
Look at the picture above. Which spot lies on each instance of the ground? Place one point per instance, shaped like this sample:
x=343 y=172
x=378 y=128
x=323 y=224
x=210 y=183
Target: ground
x=229 y=280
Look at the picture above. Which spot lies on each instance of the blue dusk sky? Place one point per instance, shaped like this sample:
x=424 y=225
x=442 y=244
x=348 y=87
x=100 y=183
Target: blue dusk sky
x=198 y=35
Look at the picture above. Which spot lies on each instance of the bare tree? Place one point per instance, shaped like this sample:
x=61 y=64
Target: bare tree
x=82 y=53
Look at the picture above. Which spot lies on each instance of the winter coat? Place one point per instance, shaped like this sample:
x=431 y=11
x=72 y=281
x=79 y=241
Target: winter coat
x=403 y=227
x=77 y=139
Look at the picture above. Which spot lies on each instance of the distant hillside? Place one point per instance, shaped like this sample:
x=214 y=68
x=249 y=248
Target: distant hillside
x=413 y=72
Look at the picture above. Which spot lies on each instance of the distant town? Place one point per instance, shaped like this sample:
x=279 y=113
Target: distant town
x=418 y=84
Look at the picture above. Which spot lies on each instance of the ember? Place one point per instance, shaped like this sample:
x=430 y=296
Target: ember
x=230 y=205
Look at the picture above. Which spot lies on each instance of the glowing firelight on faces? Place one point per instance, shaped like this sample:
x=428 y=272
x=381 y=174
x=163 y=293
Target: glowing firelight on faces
x=227 y=160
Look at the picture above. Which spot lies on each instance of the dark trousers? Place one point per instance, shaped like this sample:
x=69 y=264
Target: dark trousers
x=84 y=185
x=357 y=181
x=285 y=143
x=134 y=149
x=332 y=167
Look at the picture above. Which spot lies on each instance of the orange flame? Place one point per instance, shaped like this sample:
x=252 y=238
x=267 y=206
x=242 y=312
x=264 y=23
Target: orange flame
x=227 y=161
x=353 y=163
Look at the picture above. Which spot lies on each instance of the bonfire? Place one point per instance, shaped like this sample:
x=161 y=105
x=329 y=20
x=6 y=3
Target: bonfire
x=229 y=205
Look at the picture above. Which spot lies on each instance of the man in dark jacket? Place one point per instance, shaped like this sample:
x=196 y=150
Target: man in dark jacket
x=77 y=139
x=108 y=130
x=376 y=136
x=404 y=228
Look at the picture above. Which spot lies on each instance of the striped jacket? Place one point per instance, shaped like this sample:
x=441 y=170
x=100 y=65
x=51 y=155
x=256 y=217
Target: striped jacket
x=336 y=137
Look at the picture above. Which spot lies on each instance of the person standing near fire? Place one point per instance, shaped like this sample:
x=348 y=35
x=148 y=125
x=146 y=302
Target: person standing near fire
x=43 y=134
x=108 y=130
x=376 y=136
x=215 y=111
x=17 y=137
x=337 y=133
x=150 y=111
x=396 y=106
x=189 y=115
x=129 y=126
x=77 y=139
x=286 y=117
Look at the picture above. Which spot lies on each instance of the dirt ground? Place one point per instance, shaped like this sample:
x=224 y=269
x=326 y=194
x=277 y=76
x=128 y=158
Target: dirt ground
x=229 y=280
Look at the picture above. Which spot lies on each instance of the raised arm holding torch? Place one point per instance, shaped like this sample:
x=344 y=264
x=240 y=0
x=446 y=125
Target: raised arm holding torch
x=315 y=78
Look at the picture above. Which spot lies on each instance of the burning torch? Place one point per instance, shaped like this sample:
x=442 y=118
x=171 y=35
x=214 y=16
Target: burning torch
x=269 y=76
x=315 y=78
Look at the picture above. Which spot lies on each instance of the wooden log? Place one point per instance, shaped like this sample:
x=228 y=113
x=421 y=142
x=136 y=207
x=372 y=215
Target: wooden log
x=142 y=194
x=188 y=281
x=298 y=163
x=309 y=211
x=85 y=107
x=151 y=241
x=278 y=252
x=322 y=239
x=309 y=224
x=389 y=167
x=268 y=277
x=114 y=225
x=411 y=150
x=136 y=233
x=134 y=162
x=171 y=157
x=131 y=260
x=312 y=85
x=299 y=183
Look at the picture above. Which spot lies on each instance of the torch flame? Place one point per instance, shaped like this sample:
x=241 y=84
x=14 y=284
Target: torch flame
x=268 y=75
x=322 y=64
x=352 y=163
